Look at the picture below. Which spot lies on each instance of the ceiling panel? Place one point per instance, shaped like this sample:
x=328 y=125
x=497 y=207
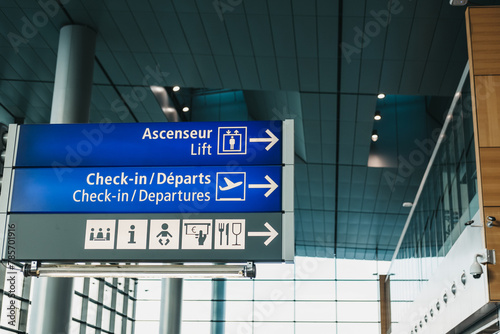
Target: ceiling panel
x=247 y=69
x=195 y=34
x=288 y=74
x=390 y=77
x=411 y=77
x=217 y=35
x=268 y=73
x=421 y=38
x=172 y=30
x=151 y=32
x=306 y=33
x=261 y=35
x=284 y=55
x=237 y=29
x=284 y=43
x=327 y=44
x=350 y=76
x=327 y=75
x=227 y=71
x=256 y=7
x=130 y=31
x=370 y=76
x=208 y=70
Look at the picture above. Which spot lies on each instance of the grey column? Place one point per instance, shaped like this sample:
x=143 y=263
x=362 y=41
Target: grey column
x=74 y=71
x=51 y=297
x=218 y=305
x=171 y=306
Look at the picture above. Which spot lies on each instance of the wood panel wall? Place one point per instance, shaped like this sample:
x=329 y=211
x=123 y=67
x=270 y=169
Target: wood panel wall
x=483 y=37
x=385 y=304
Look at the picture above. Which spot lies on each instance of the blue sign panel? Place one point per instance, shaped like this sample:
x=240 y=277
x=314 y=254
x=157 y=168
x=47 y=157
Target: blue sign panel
x=150 y=144
x=147 y=189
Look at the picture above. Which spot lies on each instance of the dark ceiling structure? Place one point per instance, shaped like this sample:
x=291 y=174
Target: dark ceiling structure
x=320 y=62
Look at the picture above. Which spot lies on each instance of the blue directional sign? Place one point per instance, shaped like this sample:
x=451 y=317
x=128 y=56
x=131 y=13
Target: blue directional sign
x=150 y=144
x=147 y=189
x=149 y=192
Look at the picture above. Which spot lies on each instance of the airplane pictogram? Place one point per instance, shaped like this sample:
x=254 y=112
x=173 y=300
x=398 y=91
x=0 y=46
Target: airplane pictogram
x=229 y=184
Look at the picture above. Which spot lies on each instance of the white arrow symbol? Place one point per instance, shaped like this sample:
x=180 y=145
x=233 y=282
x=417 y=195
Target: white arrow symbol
x=271 y=234
x=271 y=185
x=271 y=140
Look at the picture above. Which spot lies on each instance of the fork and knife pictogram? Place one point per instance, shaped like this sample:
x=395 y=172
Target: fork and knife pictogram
x=221 y=231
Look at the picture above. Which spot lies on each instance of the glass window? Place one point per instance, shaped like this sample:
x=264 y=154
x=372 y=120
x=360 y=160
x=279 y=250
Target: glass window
x=314 y=268
x=129 y=327
x=195 y=327
x=118 y=324
x=130 y=308
x=273 y=311
x=315 y=290
x=274 y=290
x=315 y=311
x=273 y=328
x=148 y=289
x=355 y=269
x=119 y=302
x=356 y=328
x=147 y=327
x=76 y=307
x=94 y=289
x=239 y=310
x=357 y=290
x=107 y=296
x=274 y=304
x=197 y=289
x=196 y=310
x=239 y=290
x=358 y=311
x=121 y=283
x=147 y=310
x=106 y=317
x=273 y=271
x=238 y=327
x=132 y=287
x=313 y=327
x=78 y=284
x=91 y=313
x=74 y=327
x=89 y=330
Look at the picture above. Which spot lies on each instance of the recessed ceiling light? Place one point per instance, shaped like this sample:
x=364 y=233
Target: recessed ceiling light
x=374 y=135
x=176 y=88
x=377 y=116
x=381 y=95
x=185 y=109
